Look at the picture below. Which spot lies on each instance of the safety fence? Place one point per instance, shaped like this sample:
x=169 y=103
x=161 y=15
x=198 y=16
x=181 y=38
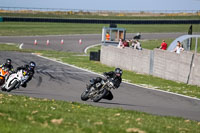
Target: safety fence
x=181 y=67
x=99 y=21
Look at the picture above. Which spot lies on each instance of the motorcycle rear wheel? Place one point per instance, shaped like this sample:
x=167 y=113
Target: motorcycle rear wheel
x=1 y=81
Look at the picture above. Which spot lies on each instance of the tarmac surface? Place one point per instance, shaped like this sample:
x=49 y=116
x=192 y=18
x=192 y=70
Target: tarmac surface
x=54 y=80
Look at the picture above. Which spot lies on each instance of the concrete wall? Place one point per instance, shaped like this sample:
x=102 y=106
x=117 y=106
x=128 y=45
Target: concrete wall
x=195 y=71
x=164 y=64
x=126 y=58
x=172 y=66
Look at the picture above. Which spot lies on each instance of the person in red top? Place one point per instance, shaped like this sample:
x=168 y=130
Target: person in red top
x=163 y=45
x=125 y=43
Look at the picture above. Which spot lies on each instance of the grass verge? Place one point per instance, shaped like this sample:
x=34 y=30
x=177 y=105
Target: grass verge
x=22 y=114
x=36 y=28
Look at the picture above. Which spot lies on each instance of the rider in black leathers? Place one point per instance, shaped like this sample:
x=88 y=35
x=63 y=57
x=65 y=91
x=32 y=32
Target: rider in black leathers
x=115 y=76
x=29 y=68
x=7 y=65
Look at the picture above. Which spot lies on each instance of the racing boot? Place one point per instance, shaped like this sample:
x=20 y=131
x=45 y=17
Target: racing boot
x=24 y=85
x=3 y=88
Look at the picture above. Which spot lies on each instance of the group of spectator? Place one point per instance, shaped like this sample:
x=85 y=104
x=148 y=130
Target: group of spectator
x=177 y=49
x=135 y=44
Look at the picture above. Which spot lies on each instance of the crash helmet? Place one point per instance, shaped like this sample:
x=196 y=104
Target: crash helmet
x=32 y=65
x=8 y=62
x=118 y=72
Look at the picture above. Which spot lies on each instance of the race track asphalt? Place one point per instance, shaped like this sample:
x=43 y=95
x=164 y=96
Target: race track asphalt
x=59 y=81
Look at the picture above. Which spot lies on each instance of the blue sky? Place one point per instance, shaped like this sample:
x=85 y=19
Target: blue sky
x=106 y=4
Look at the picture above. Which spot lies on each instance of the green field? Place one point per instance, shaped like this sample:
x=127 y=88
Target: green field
x=31 y=28
x=20 y=114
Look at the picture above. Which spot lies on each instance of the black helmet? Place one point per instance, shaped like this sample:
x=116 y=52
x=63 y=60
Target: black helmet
x=8 y=61
x=32 y=65
x=118 y=71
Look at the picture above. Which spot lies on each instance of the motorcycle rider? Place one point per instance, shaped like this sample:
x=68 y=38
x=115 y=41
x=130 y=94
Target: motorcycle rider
x=7 y=65
x=28 y=71
x=115 y=76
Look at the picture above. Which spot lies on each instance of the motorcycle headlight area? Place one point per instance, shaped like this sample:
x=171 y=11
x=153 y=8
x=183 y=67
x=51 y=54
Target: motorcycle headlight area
x=110 y=84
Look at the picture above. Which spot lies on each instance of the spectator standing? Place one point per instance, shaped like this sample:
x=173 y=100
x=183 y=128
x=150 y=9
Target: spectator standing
x=163 y=45
x=130 y=42
x=107 y=36
x=138 y=36
x=137 y=45
x=178 y=48
x=133 y=43
x=120 y=45
x=125 y=43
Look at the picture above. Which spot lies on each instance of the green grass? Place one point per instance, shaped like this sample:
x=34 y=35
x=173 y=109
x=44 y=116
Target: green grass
x=34 y=28
x=29 y=29
x=20 y=114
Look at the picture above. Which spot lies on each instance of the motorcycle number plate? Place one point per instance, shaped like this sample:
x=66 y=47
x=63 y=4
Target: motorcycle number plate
x=98 y=84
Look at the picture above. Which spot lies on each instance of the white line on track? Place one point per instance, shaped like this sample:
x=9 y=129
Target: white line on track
x=20 y=46
x=123 y=81
x=85 y=51
x=7 y=43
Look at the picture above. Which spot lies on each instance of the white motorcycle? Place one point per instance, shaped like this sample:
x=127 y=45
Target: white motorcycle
x=15 y=80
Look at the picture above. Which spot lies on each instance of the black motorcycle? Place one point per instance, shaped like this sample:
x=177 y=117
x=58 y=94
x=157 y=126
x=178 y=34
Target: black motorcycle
x=98 y=90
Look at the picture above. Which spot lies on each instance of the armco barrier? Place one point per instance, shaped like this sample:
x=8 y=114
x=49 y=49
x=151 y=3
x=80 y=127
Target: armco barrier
x=182 y=67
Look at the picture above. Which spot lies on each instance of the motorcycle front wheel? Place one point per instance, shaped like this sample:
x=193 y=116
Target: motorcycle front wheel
x=100 y=95
x=84 y=96
x=12 y=86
